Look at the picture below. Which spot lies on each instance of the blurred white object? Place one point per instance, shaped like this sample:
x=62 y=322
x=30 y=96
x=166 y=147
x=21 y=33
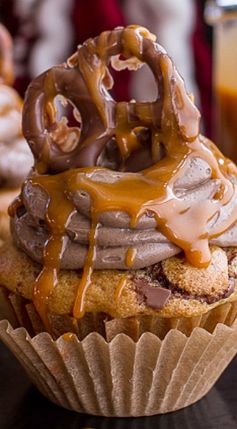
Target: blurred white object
x=172 y=21
x=16 y=158
x=55 y=34
x=226 y=3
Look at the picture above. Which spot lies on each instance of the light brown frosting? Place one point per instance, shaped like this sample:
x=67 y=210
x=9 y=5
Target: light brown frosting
x=115 y=237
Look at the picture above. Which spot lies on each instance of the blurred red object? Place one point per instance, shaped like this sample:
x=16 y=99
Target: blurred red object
x=203 y=68
x=87 y=19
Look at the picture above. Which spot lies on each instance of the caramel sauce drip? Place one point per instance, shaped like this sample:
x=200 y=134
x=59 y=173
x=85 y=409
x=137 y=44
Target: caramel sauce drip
x=130 y=256
x=119 y=288
x=152 y=190
x=58 y=213
x=78 y=309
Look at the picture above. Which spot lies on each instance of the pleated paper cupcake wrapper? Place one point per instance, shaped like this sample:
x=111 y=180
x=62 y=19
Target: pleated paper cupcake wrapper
x=131 y=367
x=20 y=312
x=124 y=377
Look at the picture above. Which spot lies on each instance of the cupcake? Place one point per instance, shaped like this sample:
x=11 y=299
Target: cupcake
x=123 y=259
x=15 y=156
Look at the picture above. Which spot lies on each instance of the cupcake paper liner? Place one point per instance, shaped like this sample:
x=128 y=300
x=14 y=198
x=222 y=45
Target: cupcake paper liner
x=121 y=369
x=122 y=377
x=20 y=312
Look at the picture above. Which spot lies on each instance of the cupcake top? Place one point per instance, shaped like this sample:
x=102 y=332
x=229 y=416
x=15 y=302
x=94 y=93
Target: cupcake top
x=131 y=184
x=15 y=157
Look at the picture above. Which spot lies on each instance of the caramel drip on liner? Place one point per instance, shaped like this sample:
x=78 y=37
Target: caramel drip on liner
x=68 y=336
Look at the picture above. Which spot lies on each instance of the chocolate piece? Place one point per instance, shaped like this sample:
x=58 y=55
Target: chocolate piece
x=154 y=296
x=151 y=283
x=209 y=299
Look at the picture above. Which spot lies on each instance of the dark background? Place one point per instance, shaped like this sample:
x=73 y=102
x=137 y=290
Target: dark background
x=23 y=407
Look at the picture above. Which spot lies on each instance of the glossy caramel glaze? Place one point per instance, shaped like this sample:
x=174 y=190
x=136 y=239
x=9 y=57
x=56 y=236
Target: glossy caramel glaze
x=139 y=130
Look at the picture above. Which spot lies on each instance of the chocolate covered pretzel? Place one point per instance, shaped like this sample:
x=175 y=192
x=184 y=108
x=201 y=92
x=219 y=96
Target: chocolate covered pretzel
x=85 y=81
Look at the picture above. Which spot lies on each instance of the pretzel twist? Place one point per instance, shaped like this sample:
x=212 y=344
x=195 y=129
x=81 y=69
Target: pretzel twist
x=85 y=82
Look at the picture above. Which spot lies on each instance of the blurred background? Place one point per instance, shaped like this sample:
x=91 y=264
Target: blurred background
x=46 y=32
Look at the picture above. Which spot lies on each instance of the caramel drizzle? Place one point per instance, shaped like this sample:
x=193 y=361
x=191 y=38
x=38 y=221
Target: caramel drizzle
x=149 y=191
x=137 y=194
x=59 y=210
x=119 y=288
x=130 y=257
x=78 y=310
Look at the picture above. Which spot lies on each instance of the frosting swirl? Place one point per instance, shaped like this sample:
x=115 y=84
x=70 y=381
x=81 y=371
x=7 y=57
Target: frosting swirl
x=118 y=245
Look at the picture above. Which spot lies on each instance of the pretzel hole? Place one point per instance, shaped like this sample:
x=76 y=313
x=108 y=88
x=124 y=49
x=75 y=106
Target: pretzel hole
x=136 y=72
x=65 y=108
x=110 y=157
x=66 y=128
x=120 y=62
